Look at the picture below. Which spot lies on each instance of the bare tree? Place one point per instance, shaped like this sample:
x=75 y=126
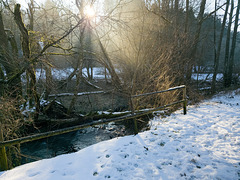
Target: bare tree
x=228 y=78
x=200 y=19
x=31 y=58
x=79 y=66
x=8 y=59
x=187 y=16
x=216 y=60
x=227 y=49
x=32 y=90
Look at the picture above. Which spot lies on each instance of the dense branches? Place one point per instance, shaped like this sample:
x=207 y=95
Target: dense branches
x=144 y=45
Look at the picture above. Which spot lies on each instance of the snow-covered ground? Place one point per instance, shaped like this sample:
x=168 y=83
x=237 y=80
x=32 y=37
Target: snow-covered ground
x=61 y=74
x=206 y=77
x=99 y=73
x=204 y=144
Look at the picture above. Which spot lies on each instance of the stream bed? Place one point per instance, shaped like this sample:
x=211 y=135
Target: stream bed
x=70 y=142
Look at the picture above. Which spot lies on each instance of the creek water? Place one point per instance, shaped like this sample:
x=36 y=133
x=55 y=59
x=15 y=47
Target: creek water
x=69 y=142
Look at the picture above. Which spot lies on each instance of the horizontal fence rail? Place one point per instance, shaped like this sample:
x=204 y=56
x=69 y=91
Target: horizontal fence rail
x=158 y=92
x=3 y=144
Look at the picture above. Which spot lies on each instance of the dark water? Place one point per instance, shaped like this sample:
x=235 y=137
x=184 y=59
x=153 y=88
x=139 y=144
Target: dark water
x=70 y=142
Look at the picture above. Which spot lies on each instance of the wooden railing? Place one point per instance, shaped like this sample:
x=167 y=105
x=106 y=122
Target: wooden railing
x=184 y=100
x=4 y=144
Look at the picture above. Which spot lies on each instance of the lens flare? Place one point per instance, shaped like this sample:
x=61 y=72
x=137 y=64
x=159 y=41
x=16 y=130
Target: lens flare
x=89 y=11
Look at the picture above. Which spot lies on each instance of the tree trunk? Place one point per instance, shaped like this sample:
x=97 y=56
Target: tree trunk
x=176 y=19
x=8 y=61
x=214 y=40
x=4 y=60
x=108 y=64
x=1 y=85
x=49 y=81
x=172 y=4
x=76 y=89
x=196 y=40
x=232 y=52
x=226 y=62
x=79 y=72
x=187 y=16
x=216 y=60
x=27 y=54
x=176 y=5
x=30 y=14
x=165 y=5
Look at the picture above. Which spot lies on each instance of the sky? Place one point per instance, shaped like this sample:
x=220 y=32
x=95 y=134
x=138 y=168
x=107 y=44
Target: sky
x=24 y=2
x=209 y=5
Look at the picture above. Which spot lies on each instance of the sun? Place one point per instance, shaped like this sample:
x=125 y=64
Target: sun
x=89 y=11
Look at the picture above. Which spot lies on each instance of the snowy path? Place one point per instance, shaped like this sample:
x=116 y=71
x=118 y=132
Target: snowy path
x=204 y=144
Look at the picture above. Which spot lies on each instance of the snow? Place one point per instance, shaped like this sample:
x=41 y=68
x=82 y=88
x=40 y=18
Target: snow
x=41 y=44
x=204 y=144
x=62 y=74
x=206 y=76
x=78 y=94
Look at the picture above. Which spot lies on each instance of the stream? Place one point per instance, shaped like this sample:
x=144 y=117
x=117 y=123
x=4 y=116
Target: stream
x=69 y=142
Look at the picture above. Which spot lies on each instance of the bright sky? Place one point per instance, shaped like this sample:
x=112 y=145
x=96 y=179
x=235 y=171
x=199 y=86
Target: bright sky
x=24 y=2
x=69 y=3
x=209 y=5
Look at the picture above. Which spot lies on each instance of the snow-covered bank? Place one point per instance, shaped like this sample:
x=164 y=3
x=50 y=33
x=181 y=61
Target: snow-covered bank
x=206 y=76
x=63 y=74
x=204 y=144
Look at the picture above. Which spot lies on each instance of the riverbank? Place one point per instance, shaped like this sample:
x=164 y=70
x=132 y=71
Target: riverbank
x=204 y=144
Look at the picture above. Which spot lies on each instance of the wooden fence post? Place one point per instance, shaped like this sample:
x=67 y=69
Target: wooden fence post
x=3 y=155
x=185 y=100
x=135 y=126
x=134 y=119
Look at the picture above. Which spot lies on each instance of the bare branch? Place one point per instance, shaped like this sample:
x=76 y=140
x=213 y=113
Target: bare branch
x=211 y=13
x=35 y=59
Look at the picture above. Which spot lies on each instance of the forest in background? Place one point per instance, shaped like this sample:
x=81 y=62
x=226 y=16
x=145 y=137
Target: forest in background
x=144 y=46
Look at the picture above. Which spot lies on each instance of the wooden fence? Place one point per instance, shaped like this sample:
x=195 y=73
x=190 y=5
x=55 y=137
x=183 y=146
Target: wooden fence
x=4 y=144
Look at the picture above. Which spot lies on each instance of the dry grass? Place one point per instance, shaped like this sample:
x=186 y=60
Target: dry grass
x=10 y=117
x=12 y=122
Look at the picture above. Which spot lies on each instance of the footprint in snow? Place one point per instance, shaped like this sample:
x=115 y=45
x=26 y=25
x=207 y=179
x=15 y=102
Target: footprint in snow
x=152 y=140
x=107 y=177
x=135 y=165
x=117 y=149
x=124 y=156
x=34 y=174
x=95 y=173
x=119 y=169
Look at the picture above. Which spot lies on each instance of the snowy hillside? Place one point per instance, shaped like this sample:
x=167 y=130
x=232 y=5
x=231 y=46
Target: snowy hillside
x=204 y=144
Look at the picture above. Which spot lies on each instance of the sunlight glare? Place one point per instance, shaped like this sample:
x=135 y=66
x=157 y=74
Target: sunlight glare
x=89 y=11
